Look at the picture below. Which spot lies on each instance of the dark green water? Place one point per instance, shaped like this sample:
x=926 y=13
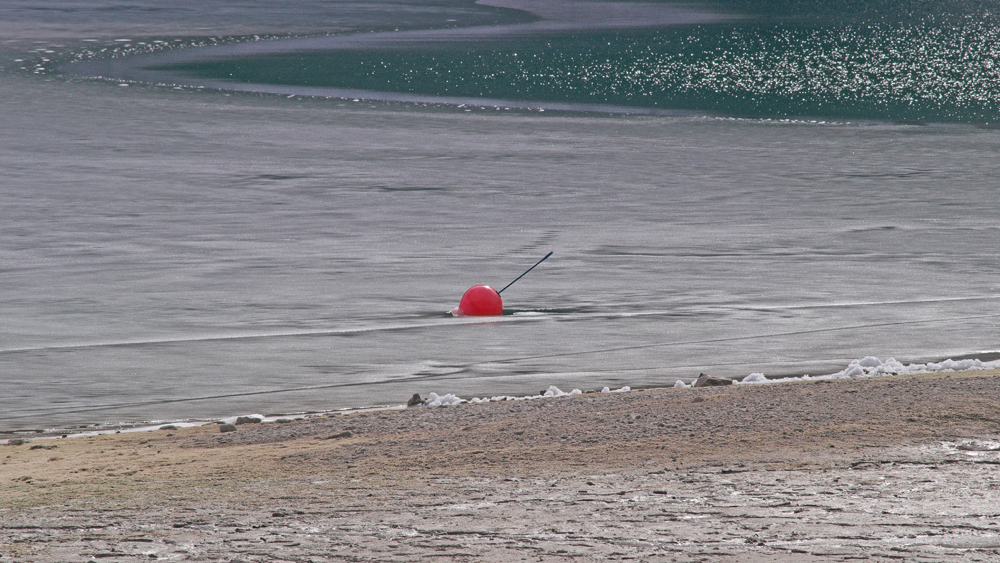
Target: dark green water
x=884 y=60
x=910 y=72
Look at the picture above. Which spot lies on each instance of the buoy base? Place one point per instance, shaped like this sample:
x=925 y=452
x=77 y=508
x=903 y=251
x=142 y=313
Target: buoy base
x=480 y=301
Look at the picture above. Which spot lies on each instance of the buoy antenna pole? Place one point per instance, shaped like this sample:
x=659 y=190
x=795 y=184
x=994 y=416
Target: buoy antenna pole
x=525 y=272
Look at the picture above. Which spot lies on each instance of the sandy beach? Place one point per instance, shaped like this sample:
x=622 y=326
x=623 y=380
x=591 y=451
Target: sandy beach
x=891 y=468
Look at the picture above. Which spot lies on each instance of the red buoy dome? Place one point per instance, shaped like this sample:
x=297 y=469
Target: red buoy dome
x=480 y=301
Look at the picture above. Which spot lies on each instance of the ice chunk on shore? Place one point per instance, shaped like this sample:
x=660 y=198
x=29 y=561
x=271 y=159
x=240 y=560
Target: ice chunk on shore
x=435 y=400
x=754 y=378
x=869 y=362
x=677 y=384
x=554 y=391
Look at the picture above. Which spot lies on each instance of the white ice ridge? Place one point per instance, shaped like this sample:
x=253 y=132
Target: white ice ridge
x=874 y=367
x=435 y=400
x=865 y=367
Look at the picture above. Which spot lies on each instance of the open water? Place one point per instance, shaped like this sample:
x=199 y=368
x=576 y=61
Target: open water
x=213 y=208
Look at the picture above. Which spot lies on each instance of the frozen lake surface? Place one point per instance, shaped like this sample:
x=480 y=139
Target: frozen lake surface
x=182 y=253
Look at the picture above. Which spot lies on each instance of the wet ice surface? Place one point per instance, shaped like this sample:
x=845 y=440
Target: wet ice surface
x=162 y=260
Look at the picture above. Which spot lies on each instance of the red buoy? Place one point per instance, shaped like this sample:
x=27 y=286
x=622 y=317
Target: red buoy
x=480 y=301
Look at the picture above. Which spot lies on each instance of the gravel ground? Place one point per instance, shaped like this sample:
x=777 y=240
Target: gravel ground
x=894 y=468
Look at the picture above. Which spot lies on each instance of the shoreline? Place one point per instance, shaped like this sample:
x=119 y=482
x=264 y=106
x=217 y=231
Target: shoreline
x=845 y=468
x=865 y=368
